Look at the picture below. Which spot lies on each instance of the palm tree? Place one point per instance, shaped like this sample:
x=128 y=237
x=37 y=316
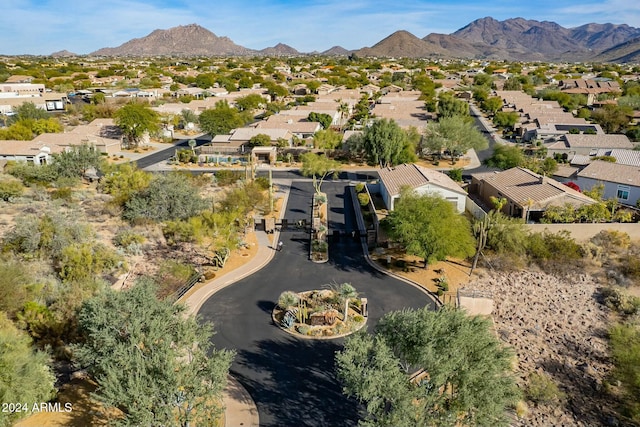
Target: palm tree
x=343 y=109
x=346 y=293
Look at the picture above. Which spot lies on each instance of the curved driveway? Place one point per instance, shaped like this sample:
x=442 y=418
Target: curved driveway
x=292 y=379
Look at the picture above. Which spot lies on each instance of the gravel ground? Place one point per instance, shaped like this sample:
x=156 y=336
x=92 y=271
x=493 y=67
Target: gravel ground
x=556 y=326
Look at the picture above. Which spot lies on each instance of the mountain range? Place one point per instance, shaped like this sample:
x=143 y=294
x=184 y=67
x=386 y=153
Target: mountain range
x=486 y=38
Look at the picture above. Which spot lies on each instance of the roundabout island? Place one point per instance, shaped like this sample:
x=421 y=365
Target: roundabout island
x=321 y=314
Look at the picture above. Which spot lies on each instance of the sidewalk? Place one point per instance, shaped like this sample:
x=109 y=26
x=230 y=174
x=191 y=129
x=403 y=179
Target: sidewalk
x=240 y=409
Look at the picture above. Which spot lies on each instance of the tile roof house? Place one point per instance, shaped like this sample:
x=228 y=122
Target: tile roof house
x=238 y=140
x=528 y=194
x=101 y=133
x=621 y=182
x=543 y=120
x=622 y=156
x=28 y=151
x=422 y=181
x=587 y=144
x=298 y=126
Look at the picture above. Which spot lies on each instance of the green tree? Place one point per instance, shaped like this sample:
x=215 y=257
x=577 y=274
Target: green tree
x=16 y=287
x=462 y=371
x=327 y=139
x=20 y=131
x=429 y=227
x=512 y=83
x=74 y=162
x=26 y=377
x=168 y=197
x=260 y=140
x=136 y=119
x=506 y=119
x=49 y=125
x=151 y=361
x=318 y=166
x=454 y=134
x=250 y=102
x=10 y=187
x=324 y=119
x=506 y=157
x=449 y=106
x=123 y=180
x=383 y=142
x=612 y=118
x=27 y=111
x=188 y=116
x=275 y=90
x=221 y=119
x=492 y=104
x=482 y=79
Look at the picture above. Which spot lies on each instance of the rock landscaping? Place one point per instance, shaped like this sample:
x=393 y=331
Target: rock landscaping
x=327 y=313
x=557 y=330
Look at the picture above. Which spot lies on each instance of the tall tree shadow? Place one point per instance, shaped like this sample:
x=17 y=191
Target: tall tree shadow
x=297 y=377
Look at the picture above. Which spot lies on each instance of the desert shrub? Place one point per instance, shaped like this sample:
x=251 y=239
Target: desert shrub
x=26 y=375
x=187 y=156
x=40 y=193
x=360 y=187
x=10 y=187
x=244 y=199
x=443 y=283
x=625 y=350
x=304 y=329
x=79 y=262
x=171 y=275
x=321 y=198
x=127 y=237
x=319 y=246
x=227 y=177
x=620 y=302
x=46 y=235
x=521 y=409
x=623 y=215
x=558 y=247
x=630 y=266
x=363 y=198
x=358 y=318
x=542 y=390
x=64 y=193
x=168 y=197
x=262 y=182
x=16 y=285
x=179 y=231
x=121 y=181
x=507 y=235
x=129 y=241
x=288 y=299
x=612 y=240
x=29 y=173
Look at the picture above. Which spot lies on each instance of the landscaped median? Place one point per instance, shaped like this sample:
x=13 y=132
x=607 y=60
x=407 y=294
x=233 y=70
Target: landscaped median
x=319 y=245
x=328 y=313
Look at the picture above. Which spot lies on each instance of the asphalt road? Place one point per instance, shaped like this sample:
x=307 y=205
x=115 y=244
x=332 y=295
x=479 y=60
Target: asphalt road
x=292 y=379
x=163 y=155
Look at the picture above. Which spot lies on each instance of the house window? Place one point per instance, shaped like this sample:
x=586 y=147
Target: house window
x=623 y=192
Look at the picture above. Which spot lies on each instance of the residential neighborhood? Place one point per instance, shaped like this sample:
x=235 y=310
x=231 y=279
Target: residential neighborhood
x=501 y=198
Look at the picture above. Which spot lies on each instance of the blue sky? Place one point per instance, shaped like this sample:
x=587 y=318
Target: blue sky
x=82 y=26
